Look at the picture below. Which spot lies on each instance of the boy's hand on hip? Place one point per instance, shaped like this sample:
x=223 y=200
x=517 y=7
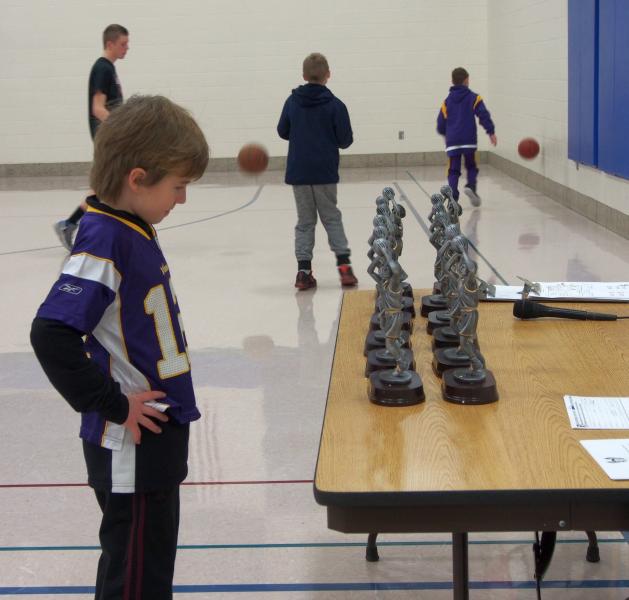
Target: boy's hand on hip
x=141 y=414
x=493 y=139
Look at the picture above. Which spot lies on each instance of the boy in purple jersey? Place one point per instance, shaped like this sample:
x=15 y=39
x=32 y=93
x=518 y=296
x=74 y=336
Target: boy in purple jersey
x=130 y=378
x=456 y=121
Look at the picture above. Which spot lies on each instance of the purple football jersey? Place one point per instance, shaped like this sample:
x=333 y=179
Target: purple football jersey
x=117 y=289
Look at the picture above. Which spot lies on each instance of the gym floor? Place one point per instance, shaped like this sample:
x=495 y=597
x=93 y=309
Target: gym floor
x=261 y=355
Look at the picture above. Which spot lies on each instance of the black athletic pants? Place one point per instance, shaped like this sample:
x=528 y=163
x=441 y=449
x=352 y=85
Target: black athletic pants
x=138 y=538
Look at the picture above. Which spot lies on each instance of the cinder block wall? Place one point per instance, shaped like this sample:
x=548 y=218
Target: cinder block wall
x=233 y=63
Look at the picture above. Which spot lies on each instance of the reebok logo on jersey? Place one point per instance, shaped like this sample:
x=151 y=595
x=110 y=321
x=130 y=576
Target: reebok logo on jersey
x=71 y=289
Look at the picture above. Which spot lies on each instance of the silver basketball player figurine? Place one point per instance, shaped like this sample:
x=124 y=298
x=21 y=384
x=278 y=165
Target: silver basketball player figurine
x=454 y=208
x=443 y=273
x=396 y=386
x=437 y=201
x=393 y=213
x=380 y=230
x=440 y=220
x=473 y=384
x=398 y=212
x=376 y=337
x=383 y=211
x=447 y=283
x=393 y=223
x=389 y=277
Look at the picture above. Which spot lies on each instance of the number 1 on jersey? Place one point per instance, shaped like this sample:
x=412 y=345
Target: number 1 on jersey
x=173 y=362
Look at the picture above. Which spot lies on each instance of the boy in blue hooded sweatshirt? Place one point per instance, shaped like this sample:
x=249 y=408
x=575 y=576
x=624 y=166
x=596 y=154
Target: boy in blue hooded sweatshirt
x=316 y=124
x=456 y=122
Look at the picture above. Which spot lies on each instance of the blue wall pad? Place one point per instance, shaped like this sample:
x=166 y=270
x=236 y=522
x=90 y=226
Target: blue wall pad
x=582 y=81
x=613 y=115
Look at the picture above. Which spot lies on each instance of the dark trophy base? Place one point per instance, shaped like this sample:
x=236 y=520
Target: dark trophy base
x=407 y=289
x=433 y=302
x=437 y=319
x=458 y=390
x=444 y=337
x=407 y=322
x=445 y=358
x=376 y=362
x=375 y=339
x=407 y=305
x=388 y=389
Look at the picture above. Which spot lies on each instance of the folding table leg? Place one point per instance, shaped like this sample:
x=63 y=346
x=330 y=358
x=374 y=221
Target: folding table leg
x=460 y=573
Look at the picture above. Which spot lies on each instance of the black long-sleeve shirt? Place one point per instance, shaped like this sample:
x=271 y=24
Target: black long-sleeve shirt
x=60 y=351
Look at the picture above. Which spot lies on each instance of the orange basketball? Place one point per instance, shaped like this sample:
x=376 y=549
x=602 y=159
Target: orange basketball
x=528 y=148
x=253 y=158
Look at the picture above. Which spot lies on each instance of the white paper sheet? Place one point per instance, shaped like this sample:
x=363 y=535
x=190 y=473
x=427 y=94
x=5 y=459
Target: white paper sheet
x=606 y=291
x=611 y=455
x=590 y=412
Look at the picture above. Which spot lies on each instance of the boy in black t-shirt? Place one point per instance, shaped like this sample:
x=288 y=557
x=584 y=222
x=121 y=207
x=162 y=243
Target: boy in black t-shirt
x=104 y=93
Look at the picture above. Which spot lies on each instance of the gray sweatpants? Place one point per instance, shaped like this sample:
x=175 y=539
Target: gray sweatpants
x=321 y=199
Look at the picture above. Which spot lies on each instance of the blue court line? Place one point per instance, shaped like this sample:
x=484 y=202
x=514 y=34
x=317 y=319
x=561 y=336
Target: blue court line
x=315 y=545
x=229 y=212
x=333 y=587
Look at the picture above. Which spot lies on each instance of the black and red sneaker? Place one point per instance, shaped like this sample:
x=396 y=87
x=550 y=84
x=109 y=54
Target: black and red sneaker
x=305 y=281
x=348 y=279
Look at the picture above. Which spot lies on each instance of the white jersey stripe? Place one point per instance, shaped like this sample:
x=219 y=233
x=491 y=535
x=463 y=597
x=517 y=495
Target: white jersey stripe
x=123 y=465
x=93 y=268
x=110 y=336
x=460 y=147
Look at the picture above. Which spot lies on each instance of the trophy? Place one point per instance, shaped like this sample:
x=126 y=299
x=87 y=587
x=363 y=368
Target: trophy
x=386 y=271
x=454 y=208
x=447 y=336
x=447 y=283
x=392 y=376
x=398 y=212
x=474 y=384
x=449 y=356
x=376 y=337
x=388 y=225
x=438 y=219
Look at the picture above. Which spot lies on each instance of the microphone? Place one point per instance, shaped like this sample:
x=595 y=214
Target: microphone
x=533 y=310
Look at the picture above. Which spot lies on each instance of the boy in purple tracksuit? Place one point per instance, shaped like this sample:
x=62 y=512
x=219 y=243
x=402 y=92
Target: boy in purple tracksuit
x=456 y=122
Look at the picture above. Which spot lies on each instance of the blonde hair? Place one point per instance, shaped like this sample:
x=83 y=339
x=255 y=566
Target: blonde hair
x=315 y=68
x=149 y=132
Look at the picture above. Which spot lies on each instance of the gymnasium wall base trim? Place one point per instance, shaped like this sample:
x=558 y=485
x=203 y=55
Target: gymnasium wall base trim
x=610 y=218
x=596 y=211
x=225 y=165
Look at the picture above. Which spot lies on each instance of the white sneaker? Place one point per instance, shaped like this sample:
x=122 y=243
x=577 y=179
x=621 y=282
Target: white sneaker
x=472 y=195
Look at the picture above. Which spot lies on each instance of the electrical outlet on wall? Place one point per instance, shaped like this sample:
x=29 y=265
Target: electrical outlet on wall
x=400 y=135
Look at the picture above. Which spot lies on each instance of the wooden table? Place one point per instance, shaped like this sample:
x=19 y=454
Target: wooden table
x=515 y=465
